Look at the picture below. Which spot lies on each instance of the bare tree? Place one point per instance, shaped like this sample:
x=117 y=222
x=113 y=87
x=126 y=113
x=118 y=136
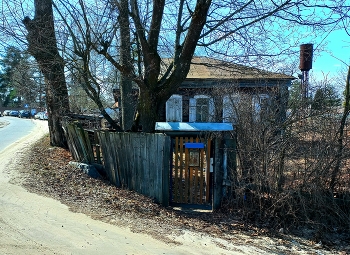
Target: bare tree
x=127 y=105
x=251 y=32
x=80 y=58
x=43 y=46
x=291 y=170
x=199 y=26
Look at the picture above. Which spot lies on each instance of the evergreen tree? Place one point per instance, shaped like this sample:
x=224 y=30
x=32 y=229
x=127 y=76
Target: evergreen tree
x=17 y=83
x=9 y=63
x=325 y=98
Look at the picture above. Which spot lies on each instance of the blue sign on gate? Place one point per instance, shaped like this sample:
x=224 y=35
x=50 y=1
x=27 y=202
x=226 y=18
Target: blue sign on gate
x=194 y=145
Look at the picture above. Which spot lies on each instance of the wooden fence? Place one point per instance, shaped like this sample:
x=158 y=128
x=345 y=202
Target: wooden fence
x=143 y=162
x=79 y=142
x=136 y=161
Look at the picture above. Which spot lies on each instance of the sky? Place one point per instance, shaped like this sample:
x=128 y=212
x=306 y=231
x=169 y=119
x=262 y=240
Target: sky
x=338 y=45
x=330 y=61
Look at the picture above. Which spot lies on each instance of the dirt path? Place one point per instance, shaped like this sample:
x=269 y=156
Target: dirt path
x=33 y=224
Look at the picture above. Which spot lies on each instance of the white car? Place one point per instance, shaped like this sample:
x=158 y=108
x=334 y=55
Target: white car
x=41 y=116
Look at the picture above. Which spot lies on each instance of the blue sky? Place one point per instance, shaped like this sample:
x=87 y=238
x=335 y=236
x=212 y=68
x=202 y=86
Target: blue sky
x=338 y=46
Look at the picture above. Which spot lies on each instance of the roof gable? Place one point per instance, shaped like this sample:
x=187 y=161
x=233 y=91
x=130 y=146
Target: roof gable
x=213 y=69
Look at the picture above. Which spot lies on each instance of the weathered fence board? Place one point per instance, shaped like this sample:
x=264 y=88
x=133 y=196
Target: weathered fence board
x=165 y=161
x=109 y=158
x=138 y=161
x=79 y=143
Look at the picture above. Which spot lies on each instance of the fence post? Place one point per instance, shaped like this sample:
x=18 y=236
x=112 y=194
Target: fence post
x=218 y=173
x=230 y=178
x=167 y=157
x=97 y=148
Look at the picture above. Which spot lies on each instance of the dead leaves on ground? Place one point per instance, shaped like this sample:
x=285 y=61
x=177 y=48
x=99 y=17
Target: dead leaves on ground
x=47 y=172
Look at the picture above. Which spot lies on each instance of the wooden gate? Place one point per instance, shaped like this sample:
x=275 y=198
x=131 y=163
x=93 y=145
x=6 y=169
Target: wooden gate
x=191 y=170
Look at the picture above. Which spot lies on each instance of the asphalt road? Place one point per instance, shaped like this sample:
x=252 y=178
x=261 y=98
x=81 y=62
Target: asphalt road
x=15 y=130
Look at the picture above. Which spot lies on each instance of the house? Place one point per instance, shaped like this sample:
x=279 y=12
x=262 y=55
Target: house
x=214 y=96
x=213 y=88
x=206 y=103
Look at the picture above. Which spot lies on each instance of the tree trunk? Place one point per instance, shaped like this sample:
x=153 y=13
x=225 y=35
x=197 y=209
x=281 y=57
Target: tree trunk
x=42 y=45
x=57 y=103
x=127 y=102
x=149 y=110
x=340 y=136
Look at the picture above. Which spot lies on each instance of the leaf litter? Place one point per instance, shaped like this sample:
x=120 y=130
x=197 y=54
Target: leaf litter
x=47 y=172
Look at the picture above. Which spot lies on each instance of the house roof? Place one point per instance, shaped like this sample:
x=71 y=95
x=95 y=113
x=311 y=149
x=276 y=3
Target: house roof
x=208 y=68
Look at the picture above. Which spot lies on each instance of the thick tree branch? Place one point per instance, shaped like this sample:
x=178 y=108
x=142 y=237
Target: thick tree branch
x=182 y=66
x=158 y=10
x=149 y=47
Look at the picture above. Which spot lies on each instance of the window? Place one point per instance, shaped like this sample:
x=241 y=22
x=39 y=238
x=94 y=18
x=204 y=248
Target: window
x=260 y=106
x=174 y=109
x=201 y=109
x=229 y=108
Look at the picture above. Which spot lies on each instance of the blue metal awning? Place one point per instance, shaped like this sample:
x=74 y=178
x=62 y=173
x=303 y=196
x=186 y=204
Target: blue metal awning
x=193 y=126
